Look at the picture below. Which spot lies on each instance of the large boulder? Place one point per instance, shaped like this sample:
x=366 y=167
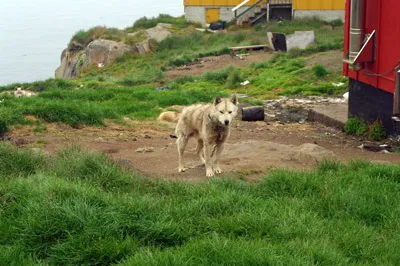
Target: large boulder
x=102 y=52
x=157 y=33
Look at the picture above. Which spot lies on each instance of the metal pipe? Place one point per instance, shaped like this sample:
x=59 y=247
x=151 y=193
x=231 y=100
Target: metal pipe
x=356 y=28
x=396 y=102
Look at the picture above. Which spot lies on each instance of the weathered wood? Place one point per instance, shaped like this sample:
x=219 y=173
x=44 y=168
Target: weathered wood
x=253 y=113
x=250 y=48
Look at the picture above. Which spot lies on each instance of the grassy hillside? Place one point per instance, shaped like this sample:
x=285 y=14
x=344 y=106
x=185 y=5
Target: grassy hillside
x=126 y=88
x=82 y=208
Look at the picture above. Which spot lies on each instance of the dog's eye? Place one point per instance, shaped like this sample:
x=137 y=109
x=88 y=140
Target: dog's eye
x=221 y=112
x=230 y=112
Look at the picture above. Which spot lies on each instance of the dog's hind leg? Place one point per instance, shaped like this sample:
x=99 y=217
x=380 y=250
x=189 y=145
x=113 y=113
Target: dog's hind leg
x=200 y=149
x=219 y=149
x=181 y=142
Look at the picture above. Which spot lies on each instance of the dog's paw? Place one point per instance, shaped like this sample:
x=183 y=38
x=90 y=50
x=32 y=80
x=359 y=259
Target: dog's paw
x=217 y=170
x=209 y=173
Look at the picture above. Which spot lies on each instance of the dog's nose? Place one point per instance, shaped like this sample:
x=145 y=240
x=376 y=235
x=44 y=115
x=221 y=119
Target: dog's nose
x=226 y=122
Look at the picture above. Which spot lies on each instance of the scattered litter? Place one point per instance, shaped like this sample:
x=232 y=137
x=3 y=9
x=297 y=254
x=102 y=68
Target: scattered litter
x=163 y=88
x=346 y=96
x=377 y=148
x=144 y=150
x=100 y=65
x=244 y=83
x=242 y=95
x=173 y=136
x=339 y=84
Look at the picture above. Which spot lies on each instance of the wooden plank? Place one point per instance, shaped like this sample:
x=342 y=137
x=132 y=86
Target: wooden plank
x=250 y=47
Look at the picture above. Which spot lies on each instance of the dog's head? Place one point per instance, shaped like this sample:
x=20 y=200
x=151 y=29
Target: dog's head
x=224 y=110
x=18 y=92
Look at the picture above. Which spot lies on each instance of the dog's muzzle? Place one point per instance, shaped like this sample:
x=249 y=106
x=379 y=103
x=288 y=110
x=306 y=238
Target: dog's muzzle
x=226 y=122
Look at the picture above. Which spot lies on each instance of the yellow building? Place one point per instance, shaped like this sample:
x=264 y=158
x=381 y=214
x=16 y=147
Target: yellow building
x=253 y=11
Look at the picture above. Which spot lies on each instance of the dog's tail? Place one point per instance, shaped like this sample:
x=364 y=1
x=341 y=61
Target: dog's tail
x=169 y=116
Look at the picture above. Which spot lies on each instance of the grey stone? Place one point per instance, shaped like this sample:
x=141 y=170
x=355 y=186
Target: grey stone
x=300 y=39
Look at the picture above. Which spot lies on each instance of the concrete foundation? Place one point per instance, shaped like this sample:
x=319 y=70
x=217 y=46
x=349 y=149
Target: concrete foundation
x=198 y=13
x=370 y=104
x=327 y=15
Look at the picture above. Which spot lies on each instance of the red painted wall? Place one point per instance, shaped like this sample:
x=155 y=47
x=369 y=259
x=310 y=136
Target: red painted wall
x=384 y=17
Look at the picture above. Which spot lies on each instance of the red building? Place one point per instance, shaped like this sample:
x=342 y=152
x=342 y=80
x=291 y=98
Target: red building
x=372 y=60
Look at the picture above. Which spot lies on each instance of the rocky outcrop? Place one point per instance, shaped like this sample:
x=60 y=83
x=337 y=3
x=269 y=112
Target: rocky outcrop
x=102 y=52
x=157 y=33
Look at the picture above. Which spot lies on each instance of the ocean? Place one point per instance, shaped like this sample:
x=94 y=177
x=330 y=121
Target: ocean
x=34 y=33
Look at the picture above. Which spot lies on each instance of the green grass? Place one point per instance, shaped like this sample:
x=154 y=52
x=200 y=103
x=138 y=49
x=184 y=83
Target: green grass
x=126 y=88
x=76 y=106
x=82 y=208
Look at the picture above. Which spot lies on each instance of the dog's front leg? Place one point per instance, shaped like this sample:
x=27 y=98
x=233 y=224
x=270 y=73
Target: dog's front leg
x=208 y=160
x=219 y=149
x=181 y=143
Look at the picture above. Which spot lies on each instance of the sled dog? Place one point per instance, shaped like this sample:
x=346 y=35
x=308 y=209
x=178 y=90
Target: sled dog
x=210 y=125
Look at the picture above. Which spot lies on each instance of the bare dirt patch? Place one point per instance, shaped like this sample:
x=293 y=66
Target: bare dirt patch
x=211 y=63
x=331 y=60
x=253 y=149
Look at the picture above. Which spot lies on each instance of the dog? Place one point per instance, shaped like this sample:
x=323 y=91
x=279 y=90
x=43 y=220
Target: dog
x=169 y=116
x=210 y=125
x=19 y=92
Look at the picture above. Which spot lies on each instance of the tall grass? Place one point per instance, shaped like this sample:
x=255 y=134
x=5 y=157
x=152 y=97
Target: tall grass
x=145 y=22
x=82 y=208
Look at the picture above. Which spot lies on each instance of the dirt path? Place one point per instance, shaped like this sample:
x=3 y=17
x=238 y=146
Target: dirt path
x=253 y=149
x=212 y=63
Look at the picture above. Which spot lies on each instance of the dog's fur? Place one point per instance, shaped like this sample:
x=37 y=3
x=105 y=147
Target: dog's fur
x=210 y=124
x=169 y=116
x=19 y=92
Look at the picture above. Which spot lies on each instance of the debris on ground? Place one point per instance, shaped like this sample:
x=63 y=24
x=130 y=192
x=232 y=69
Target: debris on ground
x=295 y=110
x=244 y=83
x=384 y=148
x=145 y=149
x=163 y=88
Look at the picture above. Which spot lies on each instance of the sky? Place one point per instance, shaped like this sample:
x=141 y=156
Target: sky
x=34 y=33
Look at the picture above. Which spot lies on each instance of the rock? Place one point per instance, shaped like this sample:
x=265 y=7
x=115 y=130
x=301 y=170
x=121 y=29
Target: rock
x=281 y=42
x=157 y=33
x=300 y=39
x=311 y=152
x=102 y=52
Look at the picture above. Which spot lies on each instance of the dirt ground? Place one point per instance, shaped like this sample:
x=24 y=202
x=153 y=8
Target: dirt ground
x=253 y=149
x=211 y=63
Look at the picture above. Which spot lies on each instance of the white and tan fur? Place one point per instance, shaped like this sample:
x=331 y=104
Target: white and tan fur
x=210 y=124
x=169 y=116
x=19 y=92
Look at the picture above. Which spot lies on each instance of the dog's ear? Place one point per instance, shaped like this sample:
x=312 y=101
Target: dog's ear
x=234 y=99
x=217 y=100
